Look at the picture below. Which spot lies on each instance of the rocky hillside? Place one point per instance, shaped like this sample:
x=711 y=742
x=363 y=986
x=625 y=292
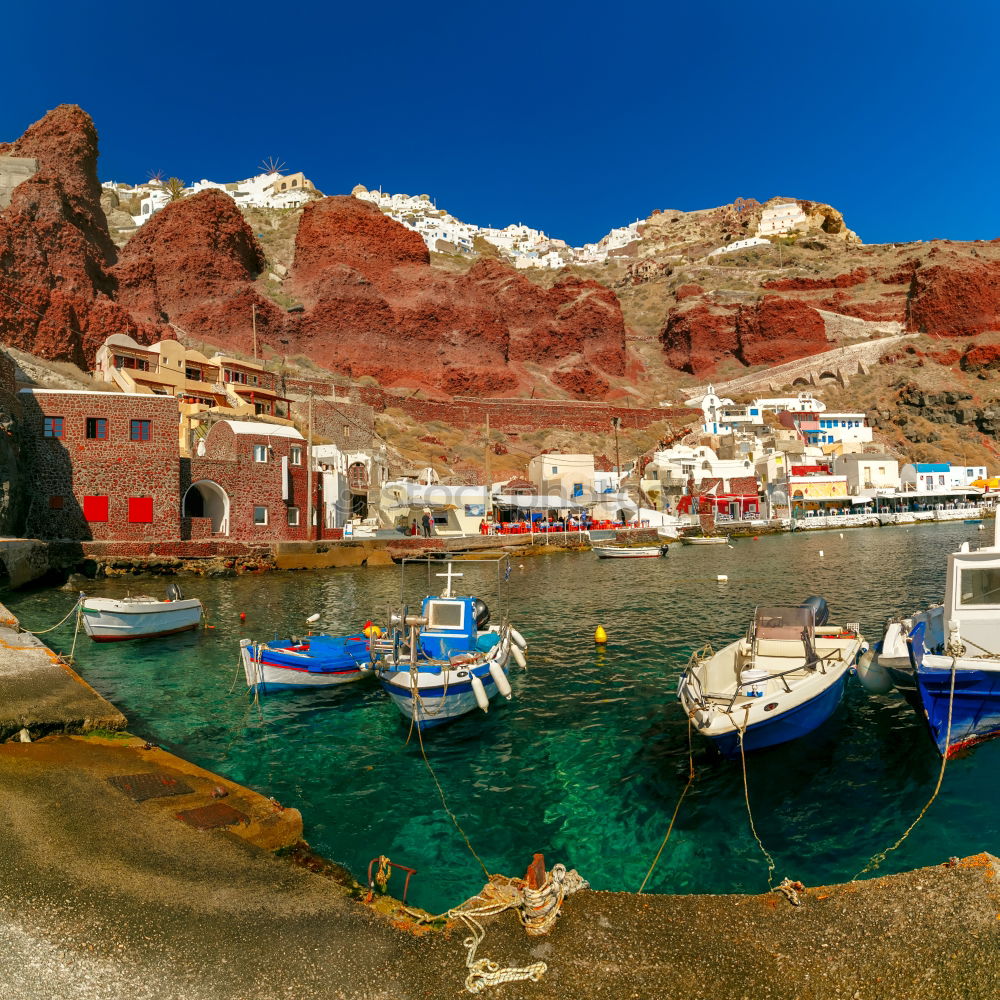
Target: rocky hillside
x=341 y=284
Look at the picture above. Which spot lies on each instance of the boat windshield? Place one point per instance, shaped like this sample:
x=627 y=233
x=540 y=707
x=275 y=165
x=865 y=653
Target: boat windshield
x=784 y=623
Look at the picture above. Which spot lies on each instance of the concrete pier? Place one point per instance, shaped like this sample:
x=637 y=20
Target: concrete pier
x=127 y=873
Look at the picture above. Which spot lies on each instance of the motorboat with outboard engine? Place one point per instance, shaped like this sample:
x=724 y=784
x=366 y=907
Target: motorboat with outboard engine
x=783 y=679
x=114 y=619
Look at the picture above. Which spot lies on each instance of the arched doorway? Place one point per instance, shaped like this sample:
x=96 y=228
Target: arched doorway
x=207 y=499
x=357 y=483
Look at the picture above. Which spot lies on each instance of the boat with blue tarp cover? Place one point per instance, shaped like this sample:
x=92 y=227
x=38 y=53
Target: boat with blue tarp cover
x=450 y=657
x=783 y=679
x=315 y=661
x=946 y=660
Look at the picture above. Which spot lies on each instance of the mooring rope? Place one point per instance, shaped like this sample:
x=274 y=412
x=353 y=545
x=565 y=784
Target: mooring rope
x=670 y=827
x=76 y=631
x=444 y=803
x=75 y=608
x=746 y=797
x=877 y=859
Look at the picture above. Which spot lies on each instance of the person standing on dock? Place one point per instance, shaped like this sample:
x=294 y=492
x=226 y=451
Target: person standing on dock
x=426 y=522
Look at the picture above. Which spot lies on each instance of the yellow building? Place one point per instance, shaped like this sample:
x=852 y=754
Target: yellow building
x=218 y=385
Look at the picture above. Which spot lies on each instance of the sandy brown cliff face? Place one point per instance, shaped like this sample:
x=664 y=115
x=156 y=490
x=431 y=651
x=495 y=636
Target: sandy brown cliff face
x=56 y=292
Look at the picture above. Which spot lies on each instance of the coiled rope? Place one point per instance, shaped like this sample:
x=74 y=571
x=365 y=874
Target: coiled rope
x=877 y=859
x=537 y=909
x=677 y=808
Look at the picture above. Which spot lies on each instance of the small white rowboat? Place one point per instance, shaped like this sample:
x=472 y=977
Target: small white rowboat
x=622 y=552
x=705 y=540
x=107 y=619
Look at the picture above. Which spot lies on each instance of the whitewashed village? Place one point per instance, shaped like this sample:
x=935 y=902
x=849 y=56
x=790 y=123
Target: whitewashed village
x=775 y=463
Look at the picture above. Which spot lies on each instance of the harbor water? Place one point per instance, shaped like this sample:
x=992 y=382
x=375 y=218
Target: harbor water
x=587 y=761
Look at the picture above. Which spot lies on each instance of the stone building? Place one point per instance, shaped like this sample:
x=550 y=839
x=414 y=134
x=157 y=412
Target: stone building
x=247 y=483
x=103 y=465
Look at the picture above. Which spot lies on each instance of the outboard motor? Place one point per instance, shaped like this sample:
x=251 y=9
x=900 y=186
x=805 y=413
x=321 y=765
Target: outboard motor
x=481 y=613
x=174 y=593
x=821 y=611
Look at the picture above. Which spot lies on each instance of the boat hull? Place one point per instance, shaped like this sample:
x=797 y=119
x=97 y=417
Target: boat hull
x=705 y=540
x=975 y=708
x=271 y=669
x=789 y=725
x=107 y=620
x=443 y=696
x=611 y=552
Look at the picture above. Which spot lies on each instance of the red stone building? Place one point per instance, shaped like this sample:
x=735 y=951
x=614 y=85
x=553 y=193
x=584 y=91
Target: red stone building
x=247 y=483
x=103 y=465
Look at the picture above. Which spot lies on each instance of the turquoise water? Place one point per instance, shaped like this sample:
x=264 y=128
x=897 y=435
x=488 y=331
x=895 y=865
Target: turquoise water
x=586 y=763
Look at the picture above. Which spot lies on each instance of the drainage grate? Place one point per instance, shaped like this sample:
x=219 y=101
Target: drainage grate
x=212 y=817
x=140 y=787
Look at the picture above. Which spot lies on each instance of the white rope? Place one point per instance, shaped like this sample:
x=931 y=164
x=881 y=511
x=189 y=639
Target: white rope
x=73 y=609
x=537 y=909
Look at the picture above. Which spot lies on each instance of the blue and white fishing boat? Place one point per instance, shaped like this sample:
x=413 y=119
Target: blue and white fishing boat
x=782 y=680
x=946 y=660
x=448 y=659
x=316 y=661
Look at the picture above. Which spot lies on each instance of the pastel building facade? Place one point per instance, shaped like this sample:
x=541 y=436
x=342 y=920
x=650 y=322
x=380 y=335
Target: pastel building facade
x=868 y=472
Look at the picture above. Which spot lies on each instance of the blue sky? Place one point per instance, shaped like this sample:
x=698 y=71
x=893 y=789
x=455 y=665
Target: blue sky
x=570 y=118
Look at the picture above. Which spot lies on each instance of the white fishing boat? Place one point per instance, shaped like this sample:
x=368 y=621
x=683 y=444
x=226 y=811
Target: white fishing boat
x=945 y=660
x=114 y=619
x=782 y=680
x=448 y=659
x=704 y=540
x=629 y=552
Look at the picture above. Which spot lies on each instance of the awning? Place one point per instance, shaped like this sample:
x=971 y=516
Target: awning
x=859 y=500
x=551 y=502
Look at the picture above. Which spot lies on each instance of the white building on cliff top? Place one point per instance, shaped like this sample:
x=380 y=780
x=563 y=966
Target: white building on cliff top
x=782 y=218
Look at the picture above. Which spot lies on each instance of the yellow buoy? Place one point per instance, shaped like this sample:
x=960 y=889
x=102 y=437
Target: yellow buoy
x=371 y=631
x=600 y=636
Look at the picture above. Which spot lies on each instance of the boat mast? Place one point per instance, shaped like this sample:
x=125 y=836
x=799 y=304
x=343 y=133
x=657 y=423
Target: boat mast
x=488 y=488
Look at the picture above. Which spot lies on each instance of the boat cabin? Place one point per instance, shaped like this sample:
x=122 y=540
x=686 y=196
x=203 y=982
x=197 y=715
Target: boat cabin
x=453 y=627
x=971 y=599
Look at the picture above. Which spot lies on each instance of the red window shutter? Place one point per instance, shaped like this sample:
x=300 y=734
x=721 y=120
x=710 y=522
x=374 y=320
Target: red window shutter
x=95 y=508
x=140 y=510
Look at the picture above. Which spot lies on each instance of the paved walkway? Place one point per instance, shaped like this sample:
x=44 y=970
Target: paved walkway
x=123 y=877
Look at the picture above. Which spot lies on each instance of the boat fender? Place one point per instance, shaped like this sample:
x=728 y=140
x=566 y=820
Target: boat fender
x=480 y=692
x=519 y=657
x=519 y=639
x=500 y=679
x=703 y=717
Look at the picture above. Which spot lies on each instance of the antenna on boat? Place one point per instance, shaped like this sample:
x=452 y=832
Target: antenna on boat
x=449 y=576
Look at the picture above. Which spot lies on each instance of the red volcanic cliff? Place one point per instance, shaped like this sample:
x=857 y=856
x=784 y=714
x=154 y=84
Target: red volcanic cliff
x=194 y=264
x=374 y=305
x=55 y=289
x=775 y=330
x=956 y=298
x=695 y=339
